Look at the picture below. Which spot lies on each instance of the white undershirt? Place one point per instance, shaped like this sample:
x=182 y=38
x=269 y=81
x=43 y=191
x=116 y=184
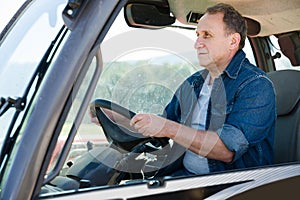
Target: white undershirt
x=193 y=162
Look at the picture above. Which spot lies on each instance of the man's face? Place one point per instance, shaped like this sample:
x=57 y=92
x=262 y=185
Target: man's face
x=213 y=45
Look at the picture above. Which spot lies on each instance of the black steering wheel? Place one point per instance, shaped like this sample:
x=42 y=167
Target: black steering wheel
x=117 y=135
x=134 y=155
x=137 y=156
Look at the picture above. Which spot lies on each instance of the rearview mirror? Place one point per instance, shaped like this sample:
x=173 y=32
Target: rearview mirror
x=148 y=16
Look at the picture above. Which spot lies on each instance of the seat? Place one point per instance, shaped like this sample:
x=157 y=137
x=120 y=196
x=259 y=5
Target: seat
x=287 y=131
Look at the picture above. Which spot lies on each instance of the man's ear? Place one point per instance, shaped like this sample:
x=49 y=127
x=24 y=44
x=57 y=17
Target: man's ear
x=235 y=40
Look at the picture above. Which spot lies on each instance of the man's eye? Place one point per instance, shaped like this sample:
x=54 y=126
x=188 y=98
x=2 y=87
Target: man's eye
x=206 y=35
x=203 y=35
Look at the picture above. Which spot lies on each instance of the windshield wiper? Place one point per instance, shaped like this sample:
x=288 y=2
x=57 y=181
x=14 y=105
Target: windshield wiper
x=20 y=102
x=5 y=104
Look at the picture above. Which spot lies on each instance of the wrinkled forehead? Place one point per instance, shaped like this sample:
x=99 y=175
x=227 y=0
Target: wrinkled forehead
x=211 y=22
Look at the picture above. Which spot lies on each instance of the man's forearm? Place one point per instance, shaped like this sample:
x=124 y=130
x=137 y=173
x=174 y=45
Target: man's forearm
x=204 y=143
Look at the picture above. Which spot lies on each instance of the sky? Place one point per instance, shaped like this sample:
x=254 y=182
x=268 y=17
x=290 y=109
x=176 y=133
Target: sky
x=7 y=10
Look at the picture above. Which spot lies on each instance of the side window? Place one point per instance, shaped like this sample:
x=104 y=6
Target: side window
x=87 y=135
x=281 y=62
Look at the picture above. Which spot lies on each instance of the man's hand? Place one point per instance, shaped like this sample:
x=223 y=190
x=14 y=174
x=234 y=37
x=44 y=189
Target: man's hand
x=205 y=143
x=149 y=125
x=93 y=117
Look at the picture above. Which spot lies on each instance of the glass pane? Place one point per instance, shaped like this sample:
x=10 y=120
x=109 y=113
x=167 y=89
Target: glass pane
x=283 y=62
x=143 y=73
x=88 y=134
x=22 y=50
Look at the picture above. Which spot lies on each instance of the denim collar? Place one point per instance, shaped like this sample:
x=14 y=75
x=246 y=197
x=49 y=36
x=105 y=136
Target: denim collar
x=232 y=70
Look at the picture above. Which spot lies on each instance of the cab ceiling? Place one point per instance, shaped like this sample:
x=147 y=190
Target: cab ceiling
x=274 y=16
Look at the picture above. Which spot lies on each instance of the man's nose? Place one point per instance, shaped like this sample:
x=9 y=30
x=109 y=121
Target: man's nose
x=199 y=43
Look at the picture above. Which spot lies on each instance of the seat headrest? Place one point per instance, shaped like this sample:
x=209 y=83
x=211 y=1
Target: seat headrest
x=287 y=89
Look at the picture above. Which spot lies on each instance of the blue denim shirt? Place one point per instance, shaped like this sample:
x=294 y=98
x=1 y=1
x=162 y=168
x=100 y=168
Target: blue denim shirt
x=242 y=111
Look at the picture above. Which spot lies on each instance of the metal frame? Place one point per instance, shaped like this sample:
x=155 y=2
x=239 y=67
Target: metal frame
x=50 y=100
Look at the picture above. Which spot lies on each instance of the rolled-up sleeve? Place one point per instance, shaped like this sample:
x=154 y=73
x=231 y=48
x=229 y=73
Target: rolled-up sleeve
x=250 y=122
x=239 y=145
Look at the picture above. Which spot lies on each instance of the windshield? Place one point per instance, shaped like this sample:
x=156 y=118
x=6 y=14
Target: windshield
x=7 y=10
x=21 y=50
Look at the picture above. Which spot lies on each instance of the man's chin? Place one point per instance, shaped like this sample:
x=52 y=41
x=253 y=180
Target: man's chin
x=202 y=63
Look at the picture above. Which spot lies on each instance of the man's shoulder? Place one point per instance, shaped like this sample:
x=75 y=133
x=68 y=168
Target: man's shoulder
x=249 y=70
x=254 y=76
